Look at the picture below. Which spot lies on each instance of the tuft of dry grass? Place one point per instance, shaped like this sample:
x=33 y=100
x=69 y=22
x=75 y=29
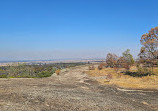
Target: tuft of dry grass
x=126 y=81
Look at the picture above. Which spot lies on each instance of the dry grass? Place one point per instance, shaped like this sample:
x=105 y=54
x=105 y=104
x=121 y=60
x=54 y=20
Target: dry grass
x=126 y=81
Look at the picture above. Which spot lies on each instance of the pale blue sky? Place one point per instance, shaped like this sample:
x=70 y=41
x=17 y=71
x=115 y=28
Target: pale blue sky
x=54 y=29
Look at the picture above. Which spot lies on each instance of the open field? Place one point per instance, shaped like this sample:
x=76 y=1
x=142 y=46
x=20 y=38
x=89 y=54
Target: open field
x=72 y=90
x=126 y=81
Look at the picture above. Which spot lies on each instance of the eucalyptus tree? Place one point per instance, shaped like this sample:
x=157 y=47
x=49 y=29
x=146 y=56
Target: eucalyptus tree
x=149 y=50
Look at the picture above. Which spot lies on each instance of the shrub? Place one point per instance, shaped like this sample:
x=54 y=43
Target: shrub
x=58 y=71
x=100 y=67
x=44 y=74
x=143 y=71
x=3 y=76
x=111 y=59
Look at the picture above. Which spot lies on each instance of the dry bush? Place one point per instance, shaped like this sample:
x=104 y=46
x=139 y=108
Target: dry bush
x=111 y=59
x=91 y=67
x=117 y=68
x=100 y=67
x=58 y=71
x=108 y=77
x=104 y=64
x=127 y=66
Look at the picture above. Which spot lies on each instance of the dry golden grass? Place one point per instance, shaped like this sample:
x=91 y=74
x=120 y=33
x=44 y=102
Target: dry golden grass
x=126 y=81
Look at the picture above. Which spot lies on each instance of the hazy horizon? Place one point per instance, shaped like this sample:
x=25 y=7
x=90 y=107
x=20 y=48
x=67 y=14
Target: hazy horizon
x=85 y=29
x=59 y=55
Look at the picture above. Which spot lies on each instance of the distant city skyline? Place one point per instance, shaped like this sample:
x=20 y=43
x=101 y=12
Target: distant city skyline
x=61 y=29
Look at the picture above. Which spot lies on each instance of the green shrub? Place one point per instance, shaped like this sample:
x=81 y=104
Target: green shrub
x=3 y=76
x=44 y=74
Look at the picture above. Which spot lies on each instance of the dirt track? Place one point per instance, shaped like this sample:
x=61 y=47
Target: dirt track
x=73 y=90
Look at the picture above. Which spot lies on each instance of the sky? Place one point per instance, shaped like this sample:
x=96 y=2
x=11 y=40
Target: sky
x=72 y=29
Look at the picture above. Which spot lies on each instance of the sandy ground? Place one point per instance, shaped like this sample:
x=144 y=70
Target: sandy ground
x=72 y=90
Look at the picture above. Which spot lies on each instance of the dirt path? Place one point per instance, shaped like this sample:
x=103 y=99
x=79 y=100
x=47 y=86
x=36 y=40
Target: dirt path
x=73 y=90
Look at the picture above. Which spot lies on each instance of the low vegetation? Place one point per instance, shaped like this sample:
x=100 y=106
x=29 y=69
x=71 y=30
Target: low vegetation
x=33 y=71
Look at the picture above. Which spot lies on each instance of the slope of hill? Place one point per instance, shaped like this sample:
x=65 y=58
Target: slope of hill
x=72 y=90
